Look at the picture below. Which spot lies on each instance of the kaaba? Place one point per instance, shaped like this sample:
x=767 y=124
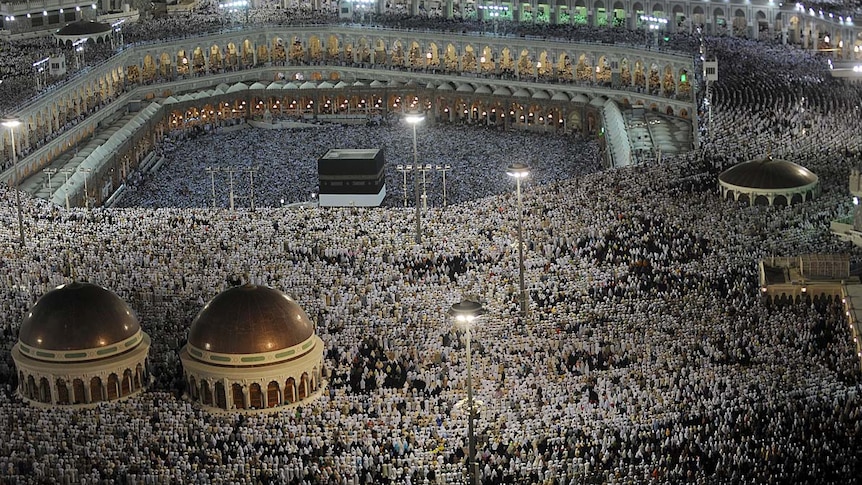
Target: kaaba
x=351 y=178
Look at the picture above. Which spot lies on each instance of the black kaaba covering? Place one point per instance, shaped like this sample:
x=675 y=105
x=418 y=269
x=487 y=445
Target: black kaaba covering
x=351 y=171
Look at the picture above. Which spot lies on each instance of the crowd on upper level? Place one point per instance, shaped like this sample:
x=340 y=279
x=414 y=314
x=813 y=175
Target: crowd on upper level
x=18 y=72
x=647 y=356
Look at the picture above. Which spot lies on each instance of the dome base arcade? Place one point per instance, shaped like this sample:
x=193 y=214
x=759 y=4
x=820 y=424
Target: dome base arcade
x=82 y=383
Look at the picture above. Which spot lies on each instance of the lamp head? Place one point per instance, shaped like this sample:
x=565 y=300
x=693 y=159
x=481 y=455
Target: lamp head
x=414 y=118
x=11 y=123
x=518 y=170
x=465 y=311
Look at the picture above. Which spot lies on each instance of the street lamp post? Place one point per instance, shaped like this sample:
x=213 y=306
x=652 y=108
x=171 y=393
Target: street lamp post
x=86 y=172
x=50 y=171
x=424 y=169
x=12 y=124
x=519 y=171
x=443 y=169
x=404 y=170
x=414 y=119
x=465 y=312
x=212 y=171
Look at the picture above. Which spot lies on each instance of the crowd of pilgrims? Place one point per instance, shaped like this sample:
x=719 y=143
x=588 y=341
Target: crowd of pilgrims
x=648 y=355
x=285 y=163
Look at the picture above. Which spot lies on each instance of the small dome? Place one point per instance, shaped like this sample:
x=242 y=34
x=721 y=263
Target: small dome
x=769 y=173
x=78 y=316
x=250 y=319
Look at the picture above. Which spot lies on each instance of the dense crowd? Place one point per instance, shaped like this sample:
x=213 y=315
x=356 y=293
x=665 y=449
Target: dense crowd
x=647 y=357
x=286 y=164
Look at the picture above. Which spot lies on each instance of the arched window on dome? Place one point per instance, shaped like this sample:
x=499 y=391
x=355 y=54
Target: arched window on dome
x=62 y=392
x=78 y=394
x=96 y=391
x=237 y=396
x=113 y=387
x=128 y=381
x=255 y=396
x=193 y=388
x=273 y=394
x=290 y=390
x=31 y=388
x=206 y=393
x=22 y=383
x=138 y=376
x=44 y=391
x=220 y=395
x=303 y=386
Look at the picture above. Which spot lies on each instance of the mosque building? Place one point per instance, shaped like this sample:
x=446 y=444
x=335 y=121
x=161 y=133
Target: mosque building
x=80 y=344
x=252 y=347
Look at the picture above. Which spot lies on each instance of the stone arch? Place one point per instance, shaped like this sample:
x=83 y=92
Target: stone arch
x=62 y=392
x=113 y=388
x=206 y=393
x=148 y=70
x=526 y=65
x=303 y=388
x=740 y=22
x=507 y=62
x=165 y=70
x=255 y=396
x=468 y=59
x=231 y=56
x=279 y=52
x=44 y=390
x=668 y=81
x=247 y=53
x=396 y=54
x=603 y=71
x=216 y=58
x=194 y=392
x=238 y=396
x=332 y=47
x=220 y=395
x=779 y=200
x=315 y=49
x=79 y=395
x=96 y=391
x=290 y=390
x=719 y=19
x=273 y=394
x=450 y=58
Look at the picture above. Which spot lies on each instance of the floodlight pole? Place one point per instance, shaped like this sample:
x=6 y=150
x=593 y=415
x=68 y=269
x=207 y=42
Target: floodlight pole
x=413 y=120
x=11 y=124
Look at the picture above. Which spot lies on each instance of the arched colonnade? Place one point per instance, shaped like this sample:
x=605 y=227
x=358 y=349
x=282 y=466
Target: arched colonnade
x=269 y=392
x=77 y=390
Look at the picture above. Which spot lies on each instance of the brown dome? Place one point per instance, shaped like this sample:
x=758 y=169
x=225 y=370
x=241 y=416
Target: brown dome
x=250 y=319
x=78 y=316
